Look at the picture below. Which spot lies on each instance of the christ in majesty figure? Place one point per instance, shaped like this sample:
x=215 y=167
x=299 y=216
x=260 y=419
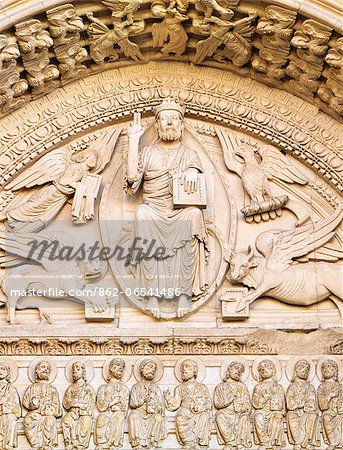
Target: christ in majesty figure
x=180 y=272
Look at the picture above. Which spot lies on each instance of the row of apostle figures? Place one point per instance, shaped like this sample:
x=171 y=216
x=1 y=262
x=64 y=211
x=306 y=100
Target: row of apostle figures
x=240 y=419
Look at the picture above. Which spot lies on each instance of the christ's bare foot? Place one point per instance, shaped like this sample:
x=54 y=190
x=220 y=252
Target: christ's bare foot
x=153 y=307
x=184 y=306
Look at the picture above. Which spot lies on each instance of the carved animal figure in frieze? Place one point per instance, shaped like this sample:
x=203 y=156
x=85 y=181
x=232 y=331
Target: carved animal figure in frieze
x=256 y=166
x=41 y=270
x=104 y=40
x=274 y=270
x=227 y=41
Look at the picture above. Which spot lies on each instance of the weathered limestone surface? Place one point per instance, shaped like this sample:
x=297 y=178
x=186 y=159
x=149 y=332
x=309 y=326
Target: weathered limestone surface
x=213 y=131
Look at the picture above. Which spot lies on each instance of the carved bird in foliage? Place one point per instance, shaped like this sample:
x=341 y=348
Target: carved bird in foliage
x=103 y=39
x=234 y=36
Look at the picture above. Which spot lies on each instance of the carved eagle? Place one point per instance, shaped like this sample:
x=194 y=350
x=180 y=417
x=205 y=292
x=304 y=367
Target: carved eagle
x=256 y=167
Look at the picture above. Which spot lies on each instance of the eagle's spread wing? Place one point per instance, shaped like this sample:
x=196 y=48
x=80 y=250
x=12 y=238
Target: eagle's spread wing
x=229 y=146
x=279 y=166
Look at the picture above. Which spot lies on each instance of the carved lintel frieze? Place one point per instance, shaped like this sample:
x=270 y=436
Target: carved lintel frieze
x=138 y=346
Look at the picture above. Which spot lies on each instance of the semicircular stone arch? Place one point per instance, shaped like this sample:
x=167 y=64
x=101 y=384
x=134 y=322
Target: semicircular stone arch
x=219 y=97
x=245 y=40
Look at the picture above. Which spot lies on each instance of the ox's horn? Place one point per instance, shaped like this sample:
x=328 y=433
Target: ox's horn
x=250 y=251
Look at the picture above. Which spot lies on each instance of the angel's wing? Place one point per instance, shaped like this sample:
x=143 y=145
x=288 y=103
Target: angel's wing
x=97 y=31
x=244 y=27
x=276 y=165
x=206 y=48
x=159 y=34
x=47 y=168
x=103 y=146
x=130 y=49
x=228 y=146
x=280 y=247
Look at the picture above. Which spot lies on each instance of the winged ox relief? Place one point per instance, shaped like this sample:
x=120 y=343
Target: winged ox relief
x=294 y=265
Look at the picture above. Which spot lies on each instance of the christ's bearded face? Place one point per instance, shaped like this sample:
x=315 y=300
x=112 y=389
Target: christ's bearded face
x=169 y=125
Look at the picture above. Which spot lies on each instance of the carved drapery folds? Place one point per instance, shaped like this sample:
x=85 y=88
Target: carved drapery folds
x=246 y=412
x=262 y=44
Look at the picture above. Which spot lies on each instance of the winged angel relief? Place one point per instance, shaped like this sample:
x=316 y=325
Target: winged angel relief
x=58 y=177
x=61 y=174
